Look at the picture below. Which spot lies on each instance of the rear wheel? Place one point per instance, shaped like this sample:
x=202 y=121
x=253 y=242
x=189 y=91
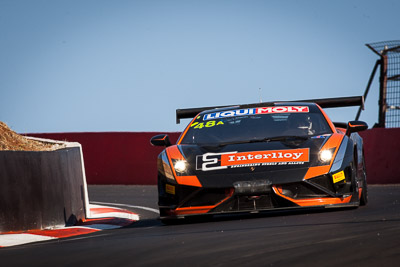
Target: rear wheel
x=364 y=193
x=355 y=185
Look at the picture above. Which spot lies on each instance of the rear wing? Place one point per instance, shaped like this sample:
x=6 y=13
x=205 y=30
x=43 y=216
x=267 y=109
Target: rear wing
x=335 y=102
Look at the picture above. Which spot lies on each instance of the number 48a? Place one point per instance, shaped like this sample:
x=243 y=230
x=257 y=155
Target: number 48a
x=207 y=124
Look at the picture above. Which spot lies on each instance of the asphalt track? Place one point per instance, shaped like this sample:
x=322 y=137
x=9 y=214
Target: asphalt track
x=367 y=236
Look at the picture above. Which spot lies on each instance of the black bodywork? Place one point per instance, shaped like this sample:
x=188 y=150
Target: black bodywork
x=280 y=170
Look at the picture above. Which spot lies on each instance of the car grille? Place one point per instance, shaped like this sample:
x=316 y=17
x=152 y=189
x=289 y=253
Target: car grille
x=205 y=197
x=314 y=188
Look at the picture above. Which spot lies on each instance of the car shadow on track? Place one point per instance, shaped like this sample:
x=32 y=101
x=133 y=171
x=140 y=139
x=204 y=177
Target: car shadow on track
x=199 y=219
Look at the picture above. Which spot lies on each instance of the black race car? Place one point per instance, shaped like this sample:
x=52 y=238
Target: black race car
x=264 y=156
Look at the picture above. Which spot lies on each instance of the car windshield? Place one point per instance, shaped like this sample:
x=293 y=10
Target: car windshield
x=247 y=125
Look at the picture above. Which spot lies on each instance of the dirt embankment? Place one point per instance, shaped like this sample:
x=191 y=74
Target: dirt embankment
x=10 y=140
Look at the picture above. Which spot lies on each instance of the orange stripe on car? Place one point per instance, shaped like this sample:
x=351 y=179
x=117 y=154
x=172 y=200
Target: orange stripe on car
x=202 y=209
x=173 y=152
x=317 y=171
x=193 y=210
x=334 y=141
x=188 y=180
x=312 y=201
x=184 y=132
x=355 y=125
x=322 y=201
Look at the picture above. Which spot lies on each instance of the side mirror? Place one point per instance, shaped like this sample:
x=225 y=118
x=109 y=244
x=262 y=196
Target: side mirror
x=355 y=126
x=160 y=140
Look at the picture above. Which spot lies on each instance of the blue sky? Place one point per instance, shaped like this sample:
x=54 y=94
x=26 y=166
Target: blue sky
x=92 y=66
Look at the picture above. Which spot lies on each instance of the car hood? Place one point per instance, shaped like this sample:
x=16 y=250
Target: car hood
x=276 y=161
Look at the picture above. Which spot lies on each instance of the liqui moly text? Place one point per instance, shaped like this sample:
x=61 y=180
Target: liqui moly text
x=253 y=111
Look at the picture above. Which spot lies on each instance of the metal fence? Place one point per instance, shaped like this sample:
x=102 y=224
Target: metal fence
x=389 y=93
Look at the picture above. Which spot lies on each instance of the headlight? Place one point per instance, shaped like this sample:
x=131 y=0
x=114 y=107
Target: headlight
x=180 y=166
x=325 y=155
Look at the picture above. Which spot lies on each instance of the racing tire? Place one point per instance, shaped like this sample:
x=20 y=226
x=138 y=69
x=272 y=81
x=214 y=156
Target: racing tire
x=364 y=193
x=354 y=183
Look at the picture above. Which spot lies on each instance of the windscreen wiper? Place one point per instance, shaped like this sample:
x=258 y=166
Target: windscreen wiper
x=284 y=138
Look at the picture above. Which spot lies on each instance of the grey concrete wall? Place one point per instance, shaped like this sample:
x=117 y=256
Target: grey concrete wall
x=40 y=190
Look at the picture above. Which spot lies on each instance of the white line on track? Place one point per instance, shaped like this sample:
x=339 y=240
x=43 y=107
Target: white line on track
x=8 y=240
x=126 y=205
x=83 y=237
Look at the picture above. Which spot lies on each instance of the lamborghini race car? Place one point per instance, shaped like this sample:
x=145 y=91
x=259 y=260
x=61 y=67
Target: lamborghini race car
x=259 y=157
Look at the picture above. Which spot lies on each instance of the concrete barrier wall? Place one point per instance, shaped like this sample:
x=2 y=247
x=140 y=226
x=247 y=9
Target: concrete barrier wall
x=41 y=190
x=116 y=157
x=128 y=157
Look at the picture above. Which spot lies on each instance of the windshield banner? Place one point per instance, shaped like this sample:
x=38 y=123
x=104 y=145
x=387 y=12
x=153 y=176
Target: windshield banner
x=254 y=111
